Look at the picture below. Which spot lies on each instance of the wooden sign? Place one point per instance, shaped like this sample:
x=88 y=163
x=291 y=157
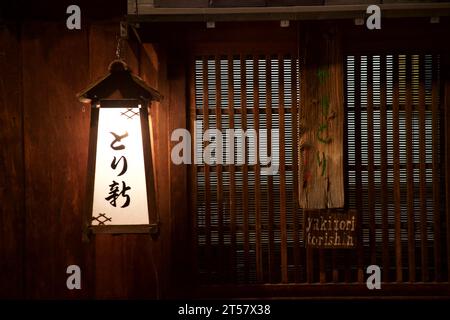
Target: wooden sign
x=323 y=229
x=321 y=182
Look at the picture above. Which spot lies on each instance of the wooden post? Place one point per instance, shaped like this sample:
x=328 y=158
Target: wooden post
x=445 y=67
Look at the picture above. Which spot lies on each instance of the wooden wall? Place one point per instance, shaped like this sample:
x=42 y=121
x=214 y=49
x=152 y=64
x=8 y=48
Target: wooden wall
x=11 y=167
x=44 y=137
x=262 y=3
x=54 y=157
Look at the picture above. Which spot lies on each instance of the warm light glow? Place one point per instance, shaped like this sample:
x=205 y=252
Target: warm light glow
x=120 y=193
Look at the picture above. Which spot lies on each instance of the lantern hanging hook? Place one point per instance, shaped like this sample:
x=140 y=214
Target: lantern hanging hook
x=119 y=48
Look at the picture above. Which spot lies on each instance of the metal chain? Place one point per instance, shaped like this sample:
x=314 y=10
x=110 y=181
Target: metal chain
x=119 y=48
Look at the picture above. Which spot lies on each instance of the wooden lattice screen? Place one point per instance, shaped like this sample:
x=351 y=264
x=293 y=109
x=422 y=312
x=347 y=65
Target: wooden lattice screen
x=394 y=164
x=247 y=227
x=247 y=223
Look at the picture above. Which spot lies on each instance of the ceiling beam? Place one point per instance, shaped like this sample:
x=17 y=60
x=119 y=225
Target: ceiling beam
x=147 y=13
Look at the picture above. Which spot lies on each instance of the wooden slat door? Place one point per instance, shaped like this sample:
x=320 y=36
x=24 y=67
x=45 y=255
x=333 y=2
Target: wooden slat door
x=248 y=226
x=247 y=220
x=394 y=162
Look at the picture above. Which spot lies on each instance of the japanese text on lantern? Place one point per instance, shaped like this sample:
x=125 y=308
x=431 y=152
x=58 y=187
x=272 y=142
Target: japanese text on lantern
x=120 y=192
x=117 y=190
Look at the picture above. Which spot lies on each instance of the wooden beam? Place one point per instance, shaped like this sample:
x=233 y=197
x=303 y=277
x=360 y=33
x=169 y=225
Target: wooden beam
x=327 y=291
x=147 y=13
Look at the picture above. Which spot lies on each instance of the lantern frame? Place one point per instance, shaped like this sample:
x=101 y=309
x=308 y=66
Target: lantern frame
x=103 y=94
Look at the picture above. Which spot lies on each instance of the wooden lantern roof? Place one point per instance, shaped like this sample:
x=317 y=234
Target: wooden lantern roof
x=119 y=82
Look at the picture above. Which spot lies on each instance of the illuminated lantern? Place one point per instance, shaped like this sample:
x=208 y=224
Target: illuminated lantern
x=120 y=182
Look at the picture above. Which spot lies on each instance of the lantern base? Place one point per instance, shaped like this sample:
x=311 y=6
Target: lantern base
x=152 y=229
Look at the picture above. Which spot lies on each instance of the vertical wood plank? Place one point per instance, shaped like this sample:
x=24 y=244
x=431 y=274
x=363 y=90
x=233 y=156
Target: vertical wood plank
x=207 y=168
x=358 y=177
x=309 y=263
x=410 y=176
x=445 y=67
x=335 y=88
x=334 y=266
x=12 y=168
x=116 y=266
x=436 y=116
x=146 y=250
x=193 y=172
x=396 y=155
x=221 y=265
x=231 y=170
x=307 y=252
x=322 y=276
x=178 y=252
x=282 y=172
x=55 y=161
x=149 y=166
x=348 y=256
x=370 y=154
x=422 y=174
x=384 y=173
x=245 y=165
x=271 y=252
x=295 y=141
x=258 y=249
